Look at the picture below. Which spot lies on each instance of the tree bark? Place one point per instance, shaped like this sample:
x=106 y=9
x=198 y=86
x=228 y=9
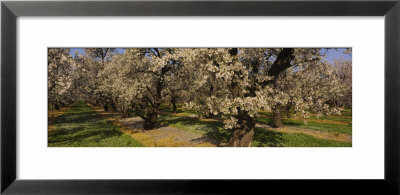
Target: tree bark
x=57 y=106
x=125 y=113
x=173 y=100
x=281 y=63
x=244 y=134
x=105 y=107
x=150 y=121
x=288 y=107
x=113 y=104
x=277 y=119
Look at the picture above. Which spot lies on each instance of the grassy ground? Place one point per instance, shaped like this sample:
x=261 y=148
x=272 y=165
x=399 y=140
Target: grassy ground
x=320 y=124
x=264 y=137
x=210 y=128
x=268 y=138
x=81 y=126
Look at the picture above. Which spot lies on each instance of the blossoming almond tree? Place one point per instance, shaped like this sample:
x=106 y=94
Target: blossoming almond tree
x=237 y=83
x=344 y=73
x=140 y=79
x=96 y=60
x=59 y=77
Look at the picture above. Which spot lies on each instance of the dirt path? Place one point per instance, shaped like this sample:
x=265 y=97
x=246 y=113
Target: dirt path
x=163 y=136
x=318 y=134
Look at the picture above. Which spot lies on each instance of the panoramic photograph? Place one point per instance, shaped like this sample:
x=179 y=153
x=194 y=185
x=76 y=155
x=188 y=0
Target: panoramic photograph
x=199 y=97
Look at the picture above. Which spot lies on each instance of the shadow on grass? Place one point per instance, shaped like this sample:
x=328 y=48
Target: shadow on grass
x=346 y=129
x=337 y=128
x=84 y=133
x=212 y=130
x=81 y=124
x=77 y=114
x=267 y=138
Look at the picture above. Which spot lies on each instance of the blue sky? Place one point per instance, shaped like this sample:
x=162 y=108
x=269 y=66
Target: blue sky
x=331 y=56
x=336 y=54
x=82 y=51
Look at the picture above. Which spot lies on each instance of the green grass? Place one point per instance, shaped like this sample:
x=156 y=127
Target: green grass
x=262 y=138
x=268 y=138
x=346 y=116
x=333 y=118
x=81 y=126
x=211 y=129
x=346 y=129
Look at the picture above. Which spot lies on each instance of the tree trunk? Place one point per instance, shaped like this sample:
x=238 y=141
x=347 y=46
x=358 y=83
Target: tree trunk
x=125 y=113
x=150 y=121
x=173 y=100
x=113 y=105
x=53 y=106
x=288 y=107
x=243 y=135
x=57 y=106
x=105 y=108
x=210 y=115
x=277 y=119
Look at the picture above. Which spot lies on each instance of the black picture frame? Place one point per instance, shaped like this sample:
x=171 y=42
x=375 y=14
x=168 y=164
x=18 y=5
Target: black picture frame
x=10 y=10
